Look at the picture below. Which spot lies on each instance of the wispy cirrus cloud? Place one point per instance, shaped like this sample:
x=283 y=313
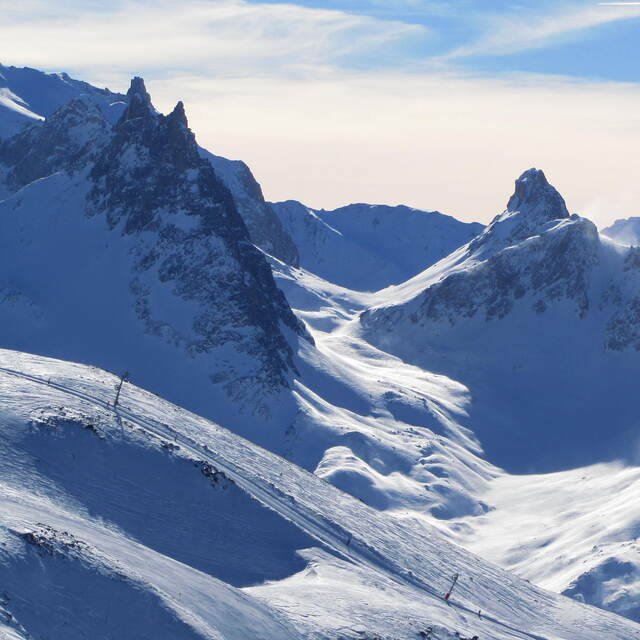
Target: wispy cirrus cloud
x=223 y=36
x=527 y=28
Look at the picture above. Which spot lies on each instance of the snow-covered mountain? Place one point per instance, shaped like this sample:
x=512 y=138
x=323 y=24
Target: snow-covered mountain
x=127 y=246
x=369 y=247
x=529 y=315
x=28 y=95
x=145 y=521
x=124 y=248
x=625 y=231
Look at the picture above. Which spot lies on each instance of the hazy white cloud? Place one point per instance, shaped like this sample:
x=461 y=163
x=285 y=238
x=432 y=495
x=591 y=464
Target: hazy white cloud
x=525 y=29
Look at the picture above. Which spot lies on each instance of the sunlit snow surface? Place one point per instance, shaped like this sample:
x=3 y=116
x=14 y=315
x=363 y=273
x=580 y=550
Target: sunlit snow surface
x=117 y=522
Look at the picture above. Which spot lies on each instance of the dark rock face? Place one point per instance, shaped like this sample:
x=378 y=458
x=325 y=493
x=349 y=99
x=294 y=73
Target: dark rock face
x=146 y=177
x=533 y=191
x=550 y=270
x=623 y=328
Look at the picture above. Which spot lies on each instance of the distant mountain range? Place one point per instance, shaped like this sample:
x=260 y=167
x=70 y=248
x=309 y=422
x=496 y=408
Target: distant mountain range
x=626 y=231
x=368 y=247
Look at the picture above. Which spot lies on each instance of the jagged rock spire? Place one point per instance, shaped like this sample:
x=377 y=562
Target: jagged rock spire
x=534 y=204
x=139 y=101
x=178 y=115
x=533 y=192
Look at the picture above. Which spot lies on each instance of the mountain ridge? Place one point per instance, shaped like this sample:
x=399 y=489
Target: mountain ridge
x=368 y=247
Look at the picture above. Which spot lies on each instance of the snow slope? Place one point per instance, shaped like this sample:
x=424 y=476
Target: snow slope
x=369 y=247
x=87 y=492
x=575 y=532
x=412 y=442
x=402 y=442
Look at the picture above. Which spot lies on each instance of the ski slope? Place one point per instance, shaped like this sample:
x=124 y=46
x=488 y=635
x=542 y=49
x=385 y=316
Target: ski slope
x=392 y=573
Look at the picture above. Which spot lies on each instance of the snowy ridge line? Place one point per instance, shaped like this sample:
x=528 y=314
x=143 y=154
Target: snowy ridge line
x=310 y=522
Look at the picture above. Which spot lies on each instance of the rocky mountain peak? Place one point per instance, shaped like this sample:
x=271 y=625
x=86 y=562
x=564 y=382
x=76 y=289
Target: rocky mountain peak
x=531 y=210
x=178 y=115
x=139 y=101
x=534 y=193
x=178 y=229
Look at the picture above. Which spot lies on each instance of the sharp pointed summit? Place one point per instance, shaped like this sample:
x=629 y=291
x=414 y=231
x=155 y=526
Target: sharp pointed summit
x=533 y=191
x=139 y=101
x=534 y=205
x=178 y=114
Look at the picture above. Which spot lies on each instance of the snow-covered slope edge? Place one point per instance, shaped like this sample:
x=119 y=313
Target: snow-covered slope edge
x=66 y=543
x=368 y=247
x=28 y=95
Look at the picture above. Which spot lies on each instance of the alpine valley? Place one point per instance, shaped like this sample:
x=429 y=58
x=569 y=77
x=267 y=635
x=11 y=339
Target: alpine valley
x=331 y=414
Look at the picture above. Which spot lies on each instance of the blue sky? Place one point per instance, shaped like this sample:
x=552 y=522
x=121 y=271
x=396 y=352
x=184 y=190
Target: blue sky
x=394 y=101
x=606 y=49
